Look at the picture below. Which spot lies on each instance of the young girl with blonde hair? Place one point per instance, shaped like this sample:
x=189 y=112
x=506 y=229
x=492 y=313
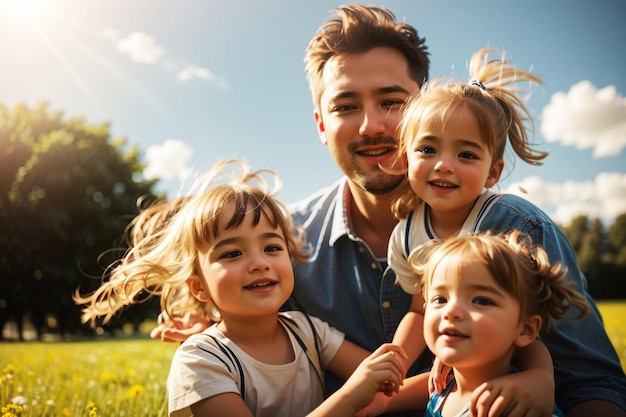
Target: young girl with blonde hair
x=453 y=137
x=486 y=296
x=228 y=251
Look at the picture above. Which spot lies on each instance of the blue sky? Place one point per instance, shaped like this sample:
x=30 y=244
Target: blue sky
x=191 y=82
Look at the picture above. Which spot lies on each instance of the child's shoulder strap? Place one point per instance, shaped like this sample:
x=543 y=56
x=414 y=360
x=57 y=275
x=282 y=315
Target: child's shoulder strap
x=311 y=348
x=232 y=358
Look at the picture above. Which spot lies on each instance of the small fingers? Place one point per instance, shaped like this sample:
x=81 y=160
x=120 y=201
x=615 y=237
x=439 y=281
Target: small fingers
x=482 y=399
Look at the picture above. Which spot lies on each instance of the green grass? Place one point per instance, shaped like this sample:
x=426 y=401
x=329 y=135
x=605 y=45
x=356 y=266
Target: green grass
x=126 y=378
x=97 y=378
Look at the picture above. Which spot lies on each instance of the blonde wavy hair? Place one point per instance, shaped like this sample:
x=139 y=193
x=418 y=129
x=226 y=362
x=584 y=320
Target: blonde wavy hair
x=491 y=96
x=519 y=268
x=167 y=237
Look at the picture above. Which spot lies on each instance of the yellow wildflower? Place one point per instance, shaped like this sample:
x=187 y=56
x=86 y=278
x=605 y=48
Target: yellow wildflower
x=12 y=410
x=134 y=391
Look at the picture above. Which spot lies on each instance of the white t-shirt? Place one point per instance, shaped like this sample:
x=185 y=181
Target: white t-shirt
x=202 y=367
x=416 y=230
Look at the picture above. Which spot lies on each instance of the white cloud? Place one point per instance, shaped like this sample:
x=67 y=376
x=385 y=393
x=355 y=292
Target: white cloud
x=168 y=160
x=587 y=118
x=140 y=47
x=603 y=198
x=190 y=72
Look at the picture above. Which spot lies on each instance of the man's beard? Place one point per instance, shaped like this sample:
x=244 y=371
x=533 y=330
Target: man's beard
x=379 y=183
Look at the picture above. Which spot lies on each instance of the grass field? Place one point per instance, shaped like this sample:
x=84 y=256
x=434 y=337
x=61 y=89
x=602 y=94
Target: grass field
x=125 y=378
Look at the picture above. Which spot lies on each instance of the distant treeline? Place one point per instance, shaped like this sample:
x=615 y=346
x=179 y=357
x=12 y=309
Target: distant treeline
x=601 y=254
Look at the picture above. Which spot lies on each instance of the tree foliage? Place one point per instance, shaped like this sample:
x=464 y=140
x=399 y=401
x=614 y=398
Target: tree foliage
x=67 y=192
x=601 y=254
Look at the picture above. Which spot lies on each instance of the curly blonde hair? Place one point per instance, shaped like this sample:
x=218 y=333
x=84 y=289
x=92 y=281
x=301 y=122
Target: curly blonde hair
x=518 y=267
x=169 y=236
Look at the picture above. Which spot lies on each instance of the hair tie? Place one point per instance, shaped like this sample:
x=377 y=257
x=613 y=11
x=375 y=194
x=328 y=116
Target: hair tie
x=478 y=84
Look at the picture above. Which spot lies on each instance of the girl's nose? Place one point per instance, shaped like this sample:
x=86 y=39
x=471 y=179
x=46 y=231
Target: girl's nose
x=259 y=263
x=453 y=310
x=443 y=165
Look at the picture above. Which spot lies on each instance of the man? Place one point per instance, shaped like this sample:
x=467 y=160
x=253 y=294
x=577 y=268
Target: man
x=362 y=67
x=358 y=91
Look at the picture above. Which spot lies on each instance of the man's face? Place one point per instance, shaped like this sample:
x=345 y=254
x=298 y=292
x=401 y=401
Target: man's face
x=360 y=109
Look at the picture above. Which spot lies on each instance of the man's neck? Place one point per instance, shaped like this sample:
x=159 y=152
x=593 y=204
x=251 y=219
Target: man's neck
x=370 y=216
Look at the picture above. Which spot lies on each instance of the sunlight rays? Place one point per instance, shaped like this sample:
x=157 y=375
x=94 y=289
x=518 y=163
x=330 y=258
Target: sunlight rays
x=74 y=75
x=57 y=32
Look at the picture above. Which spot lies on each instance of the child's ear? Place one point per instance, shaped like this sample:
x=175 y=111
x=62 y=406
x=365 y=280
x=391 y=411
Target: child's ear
x=197 y=289
x=494 y=174
x=529 y=330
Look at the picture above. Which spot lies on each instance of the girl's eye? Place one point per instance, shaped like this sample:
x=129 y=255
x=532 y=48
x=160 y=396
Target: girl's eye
x=467 y=155
x=273 y=248
x=426 y=150
x=231 y=254
x=438 y=300
x=483 y=301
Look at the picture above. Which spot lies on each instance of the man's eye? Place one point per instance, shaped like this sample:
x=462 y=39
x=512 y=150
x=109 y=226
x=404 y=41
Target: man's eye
x=393 y=104
x=343 y=108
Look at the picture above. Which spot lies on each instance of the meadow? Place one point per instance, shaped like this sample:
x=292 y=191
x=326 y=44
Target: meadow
x=125 y=377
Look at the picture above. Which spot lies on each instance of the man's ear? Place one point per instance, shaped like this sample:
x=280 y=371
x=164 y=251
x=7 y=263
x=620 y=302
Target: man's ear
x=494 y=174
x=197 y=289
x=529 y=330
x=321 y=131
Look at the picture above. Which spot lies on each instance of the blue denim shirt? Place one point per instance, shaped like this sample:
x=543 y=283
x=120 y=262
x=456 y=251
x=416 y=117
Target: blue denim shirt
x=344 y=284
x=586 y=365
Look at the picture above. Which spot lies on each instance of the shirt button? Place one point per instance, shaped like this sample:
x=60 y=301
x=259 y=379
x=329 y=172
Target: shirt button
x=374 y=265
x=386 y=304
x=361 y=249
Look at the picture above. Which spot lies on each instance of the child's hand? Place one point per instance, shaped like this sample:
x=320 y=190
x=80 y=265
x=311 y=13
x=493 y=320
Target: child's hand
x=178 y=329
x=528 y=394
x=381 y=373
x=439 y=376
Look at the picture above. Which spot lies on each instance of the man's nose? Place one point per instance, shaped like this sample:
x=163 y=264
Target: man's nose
x=373 y=123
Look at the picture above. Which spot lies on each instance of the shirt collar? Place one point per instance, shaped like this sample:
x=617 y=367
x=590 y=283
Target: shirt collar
x=340 y=226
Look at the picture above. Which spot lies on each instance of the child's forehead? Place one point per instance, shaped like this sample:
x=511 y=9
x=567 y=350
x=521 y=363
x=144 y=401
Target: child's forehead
x=233 y=217
x=459 y=268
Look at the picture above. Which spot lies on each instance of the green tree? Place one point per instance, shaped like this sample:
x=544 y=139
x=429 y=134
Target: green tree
x=590 y=251
x=576 y=231
x=66 y=195
x=616 y=236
